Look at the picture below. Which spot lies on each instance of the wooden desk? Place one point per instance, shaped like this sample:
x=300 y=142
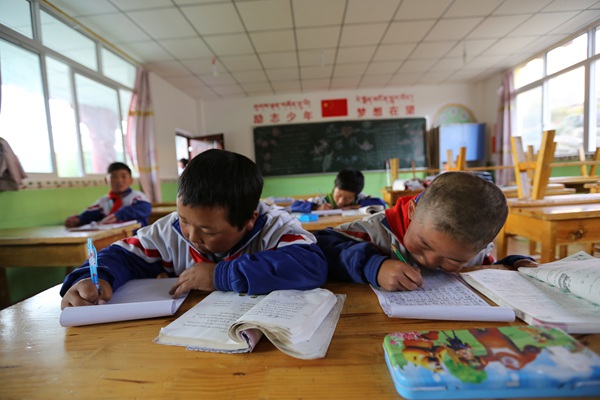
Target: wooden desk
x=50 y=246
x=576 y=182
x=551 y=226
x=159 y=212
x=551 y=190
x=326 y=221
x=39 y=359
x=391 y=196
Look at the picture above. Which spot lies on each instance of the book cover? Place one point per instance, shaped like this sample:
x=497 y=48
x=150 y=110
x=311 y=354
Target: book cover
x=512 y=361
x=136 y=299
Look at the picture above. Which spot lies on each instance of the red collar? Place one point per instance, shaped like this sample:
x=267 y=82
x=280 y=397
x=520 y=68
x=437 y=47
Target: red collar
x=397 y=216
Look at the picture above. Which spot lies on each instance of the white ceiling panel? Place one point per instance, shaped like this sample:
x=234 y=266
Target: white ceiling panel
x=284 y=46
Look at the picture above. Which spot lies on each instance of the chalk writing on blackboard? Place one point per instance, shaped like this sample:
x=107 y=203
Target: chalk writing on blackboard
x=332 y=146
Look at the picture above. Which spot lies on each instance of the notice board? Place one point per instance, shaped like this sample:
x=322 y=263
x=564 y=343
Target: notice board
x=332 y=146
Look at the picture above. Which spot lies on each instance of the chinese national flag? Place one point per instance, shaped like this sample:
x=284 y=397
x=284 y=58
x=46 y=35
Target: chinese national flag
x=334 y=108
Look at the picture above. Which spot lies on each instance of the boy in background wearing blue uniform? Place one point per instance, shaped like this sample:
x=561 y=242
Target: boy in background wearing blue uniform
x=220 y=238
x=346 y=194
x=121 y=204
x=449 y=226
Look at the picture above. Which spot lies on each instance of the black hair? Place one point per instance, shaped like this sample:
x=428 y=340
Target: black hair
x=220 y=178
x=117 y=166
x=465 y=206
x=351 y=180
x=184 y=162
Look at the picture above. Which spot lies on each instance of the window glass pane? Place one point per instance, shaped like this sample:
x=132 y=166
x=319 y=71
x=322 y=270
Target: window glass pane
x=23 y=117
x=529 y=117
x=568 y=54
x=62 y=115
x=565 y=102
x=67 y=41
x=597 y=49
x=530 y=72
x=125 y=98
x=117 y=68
x=16 y=15
x=99 y=125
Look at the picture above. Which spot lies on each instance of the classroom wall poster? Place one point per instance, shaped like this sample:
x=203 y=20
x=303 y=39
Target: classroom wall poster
x=355 y=107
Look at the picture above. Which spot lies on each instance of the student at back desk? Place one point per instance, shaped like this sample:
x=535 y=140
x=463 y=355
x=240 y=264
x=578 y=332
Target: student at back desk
x=121 y=204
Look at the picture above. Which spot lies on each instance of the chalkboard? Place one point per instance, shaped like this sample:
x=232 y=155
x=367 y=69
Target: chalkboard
x=332 y=146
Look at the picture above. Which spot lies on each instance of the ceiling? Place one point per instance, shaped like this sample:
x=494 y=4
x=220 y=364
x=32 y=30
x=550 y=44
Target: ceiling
x=214 y=49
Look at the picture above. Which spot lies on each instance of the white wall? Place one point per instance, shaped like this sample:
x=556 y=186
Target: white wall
x=173 y=109
x=234 y=118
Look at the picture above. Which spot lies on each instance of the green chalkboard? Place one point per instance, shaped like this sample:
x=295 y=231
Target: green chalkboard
x=332 y=146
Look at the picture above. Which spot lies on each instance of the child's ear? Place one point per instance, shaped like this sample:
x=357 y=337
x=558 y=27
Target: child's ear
x=251 y=221
x=411 y=208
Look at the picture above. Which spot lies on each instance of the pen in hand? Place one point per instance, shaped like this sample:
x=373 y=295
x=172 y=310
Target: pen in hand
x=401 y=258
x=93 y=261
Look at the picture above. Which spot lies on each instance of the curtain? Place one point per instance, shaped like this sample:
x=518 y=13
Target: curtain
x=140 y=140
x=504 y=129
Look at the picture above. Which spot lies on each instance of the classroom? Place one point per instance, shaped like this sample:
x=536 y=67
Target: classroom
x=273 y=80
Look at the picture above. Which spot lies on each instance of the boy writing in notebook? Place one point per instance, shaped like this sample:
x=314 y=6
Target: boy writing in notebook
x=449 y=226
x=220 y=238
x=346 y=194
x=121 y=204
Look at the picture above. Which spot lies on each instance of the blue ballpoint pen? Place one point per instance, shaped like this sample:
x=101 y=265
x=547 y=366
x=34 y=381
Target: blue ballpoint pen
x=93 y=260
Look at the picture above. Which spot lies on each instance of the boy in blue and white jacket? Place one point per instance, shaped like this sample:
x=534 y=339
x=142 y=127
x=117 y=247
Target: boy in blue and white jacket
x=220 y=238
x=346 y=194
x=121 y=204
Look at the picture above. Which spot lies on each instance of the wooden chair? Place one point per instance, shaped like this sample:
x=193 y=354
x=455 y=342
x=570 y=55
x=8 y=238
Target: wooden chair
x=461 y=160
x=540 y=168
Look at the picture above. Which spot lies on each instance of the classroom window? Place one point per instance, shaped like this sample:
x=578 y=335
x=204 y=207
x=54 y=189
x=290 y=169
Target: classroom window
x=17 y=15
x=73 y=126
x=568 y=54
x=117 y=69
x=551 y=93
x=23 y=117
x=64 y=124
x=565 y=104
x=99 y=125
x=532 y=71
x=529 y=117
x=65 y=40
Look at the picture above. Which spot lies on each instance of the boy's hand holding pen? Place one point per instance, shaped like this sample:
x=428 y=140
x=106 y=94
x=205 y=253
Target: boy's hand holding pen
x=397 y=274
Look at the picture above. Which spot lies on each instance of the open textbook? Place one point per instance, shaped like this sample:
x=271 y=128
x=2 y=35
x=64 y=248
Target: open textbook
x=136 y=299
x=443 y=296
x=95 y=226
x=299 y=323
x=564 y=293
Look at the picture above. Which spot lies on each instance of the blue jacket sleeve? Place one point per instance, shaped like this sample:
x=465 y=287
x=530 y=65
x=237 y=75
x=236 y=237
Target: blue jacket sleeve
x=87 y=217
x=350 y=260
x=372 y=201
x=139 y=211
x=297 y=266
x=116 y=266
x=301 y=206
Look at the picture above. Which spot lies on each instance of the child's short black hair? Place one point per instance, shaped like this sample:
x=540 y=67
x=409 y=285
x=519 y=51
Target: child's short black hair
x=351 y=180
x=220 y=178
x=465 y=206
x=118 y=166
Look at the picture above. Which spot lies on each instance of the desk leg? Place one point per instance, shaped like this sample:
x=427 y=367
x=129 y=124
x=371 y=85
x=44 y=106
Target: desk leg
x=4 y=297
x=548 y=244
x=502 y=243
